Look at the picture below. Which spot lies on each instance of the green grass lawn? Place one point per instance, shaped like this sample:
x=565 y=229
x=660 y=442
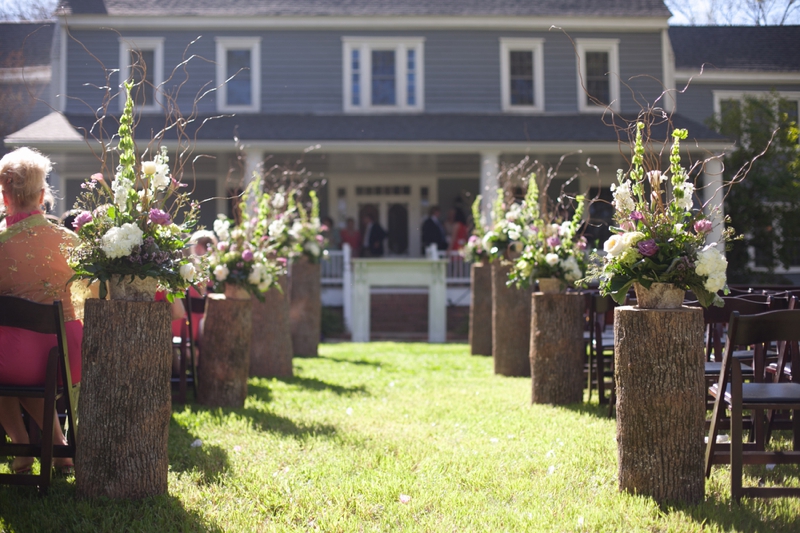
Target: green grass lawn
x=395 y=437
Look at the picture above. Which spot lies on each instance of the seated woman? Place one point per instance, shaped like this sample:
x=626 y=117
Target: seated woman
x=32 y=266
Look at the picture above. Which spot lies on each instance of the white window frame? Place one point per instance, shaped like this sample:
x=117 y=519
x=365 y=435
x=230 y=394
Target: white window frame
x=611 y=46
x=720 y=95
x=156 y=44
x=535 y=46
x=253 y=44
x=365 y=46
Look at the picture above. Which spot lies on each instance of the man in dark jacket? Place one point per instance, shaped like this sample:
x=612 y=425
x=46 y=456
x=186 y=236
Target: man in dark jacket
x=433 y=231
x=373 y=237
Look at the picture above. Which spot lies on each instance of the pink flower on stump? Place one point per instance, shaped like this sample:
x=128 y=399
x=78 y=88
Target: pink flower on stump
x=84 y=217
x=648 y=248
x=703 y=226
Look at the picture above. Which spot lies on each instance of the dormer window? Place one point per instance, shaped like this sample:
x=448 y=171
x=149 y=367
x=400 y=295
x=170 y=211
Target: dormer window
x=522 y=75
x=383 y=74
x=141 y=60
x=238 y=74
x=598 y=74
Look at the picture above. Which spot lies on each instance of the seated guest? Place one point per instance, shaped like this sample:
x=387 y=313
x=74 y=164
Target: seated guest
x=351 y=236
x=32 y=266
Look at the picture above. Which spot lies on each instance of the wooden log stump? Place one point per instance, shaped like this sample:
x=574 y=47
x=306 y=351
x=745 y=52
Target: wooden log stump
x=557 y=349
x=480 y=309
x=511 y=324
x=225 y=361
x=305 y=309
x=125 y=404
x=660 y=402
x=271 y=345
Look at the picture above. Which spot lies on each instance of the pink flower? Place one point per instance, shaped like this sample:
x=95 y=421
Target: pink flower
x=637 y=216
x=320 y=238
x=84 y=217
x=282 y=260
x=222 y=246
x=473 y=239
x=553 y=241
x=323 y=227
x=581 y=244
x=703 y=226
x=647 y=248
x=627 y=225
x=97 y=177
x=405 y=498
x=247 y=255
x=157 y=216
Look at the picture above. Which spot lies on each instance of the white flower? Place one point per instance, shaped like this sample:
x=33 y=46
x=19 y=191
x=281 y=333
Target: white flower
x=623 y=200
x=237 y=234
x=312 y=248
x=120 y=241
x=683 y=195
x=615 y=245
x=551 y=259
x=296 y=230
x=712 y=264
x=221 y=272
x=514 y=232
x=572 y=270
x=221 y=228
x=149 y=167
x=264 y=285
x=188 y=272
x=632 y=237
x=276 y=227
x=121 y=187
x=256 y=273
x=278 y=201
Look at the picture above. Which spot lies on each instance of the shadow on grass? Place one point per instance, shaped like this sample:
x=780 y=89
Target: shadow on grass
x=729 y=516
x=22 y=510
x=272 y=423
x=319 y=385
x=210 y=461
x=588 y=409
x=361 y=362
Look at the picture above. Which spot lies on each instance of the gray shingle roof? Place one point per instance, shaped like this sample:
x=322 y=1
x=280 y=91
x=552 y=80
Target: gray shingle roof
x=359 y=128
x=653 y=8
x=26 y=42
x=765 y=48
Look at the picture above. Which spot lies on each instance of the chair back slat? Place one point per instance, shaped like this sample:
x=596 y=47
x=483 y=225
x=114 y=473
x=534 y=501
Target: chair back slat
x=766 y=327
x=25 y=314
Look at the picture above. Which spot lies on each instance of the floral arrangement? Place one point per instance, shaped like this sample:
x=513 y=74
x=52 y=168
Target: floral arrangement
x=660 y=237
x=511 y=223
x=552 y=247
x=126 y=229
x=292 y=230
x=243 y=256
x=473 y=251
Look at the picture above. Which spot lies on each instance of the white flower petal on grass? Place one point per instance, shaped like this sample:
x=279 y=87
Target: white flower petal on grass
x=405 y=498
x=196 y=443
x=349 y=411
x=494 y=440
x=237 y=448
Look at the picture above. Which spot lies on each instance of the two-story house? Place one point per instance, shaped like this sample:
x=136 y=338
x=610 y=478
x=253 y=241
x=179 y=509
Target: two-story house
x=398 y=105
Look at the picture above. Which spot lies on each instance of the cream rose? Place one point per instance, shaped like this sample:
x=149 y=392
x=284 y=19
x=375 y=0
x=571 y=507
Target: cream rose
x=615 y=245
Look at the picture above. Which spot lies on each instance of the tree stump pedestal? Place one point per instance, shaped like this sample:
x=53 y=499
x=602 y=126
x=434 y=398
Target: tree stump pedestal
x=222 y=374
x=271 y=345
x=658 y=357
x=511 y=324
x=125 y=404
x=557 y=350
x=480 y=309
x=305 y=309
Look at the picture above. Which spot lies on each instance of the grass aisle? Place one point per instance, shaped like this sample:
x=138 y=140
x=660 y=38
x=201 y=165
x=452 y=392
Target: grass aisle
x=393 y=437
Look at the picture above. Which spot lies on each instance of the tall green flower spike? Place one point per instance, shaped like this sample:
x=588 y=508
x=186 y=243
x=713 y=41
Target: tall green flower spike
x=476 y=217
x=127 y=155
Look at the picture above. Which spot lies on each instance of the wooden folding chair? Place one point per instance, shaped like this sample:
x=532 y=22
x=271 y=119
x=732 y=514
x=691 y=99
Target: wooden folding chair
x=783 y=328
x=47 y=319
x=187 y=345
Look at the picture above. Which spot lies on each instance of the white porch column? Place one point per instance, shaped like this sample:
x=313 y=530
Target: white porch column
x=490 y=168
x=252 y=163
x=347 y=287
x=713 y=195
x=360 y=320
x=437 y=301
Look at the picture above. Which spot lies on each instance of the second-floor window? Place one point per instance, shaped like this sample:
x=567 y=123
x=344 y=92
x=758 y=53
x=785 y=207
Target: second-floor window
x=383 y=74
x=238 y=73
x=522 y=71
x=598 y=74
x=141 y=60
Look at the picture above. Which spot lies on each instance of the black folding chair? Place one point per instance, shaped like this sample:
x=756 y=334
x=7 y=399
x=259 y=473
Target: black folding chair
x=47 y=319
x=187 y=346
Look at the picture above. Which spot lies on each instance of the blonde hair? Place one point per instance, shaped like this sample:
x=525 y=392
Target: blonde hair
x=23 y=176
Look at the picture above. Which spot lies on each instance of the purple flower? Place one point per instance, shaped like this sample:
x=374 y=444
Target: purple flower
x=157 y=216
x=247 y=255
x=627 y=225
x=553 y=241
x=637 y=216
x=84 y=217
x=581 y=244
x=222 y=246
x=647 y=248
x=702 y=226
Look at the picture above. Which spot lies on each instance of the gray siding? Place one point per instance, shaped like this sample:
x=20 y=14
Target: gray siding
x=697 y=102
x=302 y=70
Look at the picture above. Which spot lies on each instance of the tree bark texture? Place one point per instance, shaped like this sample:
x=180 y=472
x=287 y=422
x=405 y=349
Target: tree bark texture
x=271 y=345
x=557 y=350
x=225 y=361
x=511 y=324
x=305 y=309
x=480 y=310
x=125 y=404
x=660 y=402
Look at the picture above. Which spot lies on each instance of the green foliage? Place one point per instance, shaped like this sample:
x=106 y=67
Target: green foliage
x=765 y=205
